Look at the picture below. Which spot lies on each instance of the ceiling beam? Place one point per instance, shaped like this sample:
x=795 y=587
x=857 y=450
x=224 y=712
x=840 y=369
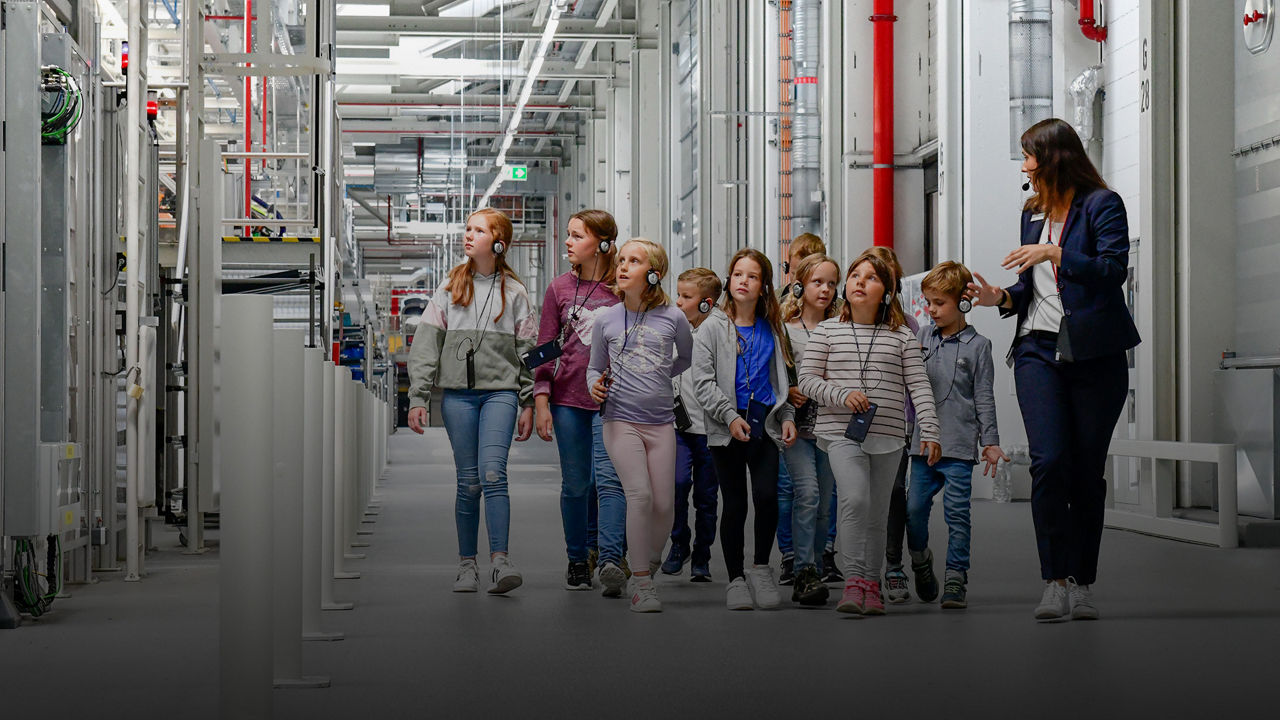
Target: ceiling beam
x=371 y=72
x=446 y=100
x=490 y=28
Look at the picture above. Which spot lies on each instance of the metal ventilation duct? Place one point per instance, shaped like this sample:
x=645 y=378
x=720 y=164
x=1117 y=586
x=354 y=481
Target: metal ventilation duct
x=1030 y=67
x=806 y=147
x=396 y=169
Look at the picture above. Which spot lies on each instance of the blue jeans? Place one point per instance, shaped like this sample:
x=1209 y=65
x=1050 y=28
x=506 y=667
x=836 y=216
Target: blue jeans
x=480 y=424
x=955 y=479
x=588 y=478
x=786 y=493
x=696 y=473
x=811 y=475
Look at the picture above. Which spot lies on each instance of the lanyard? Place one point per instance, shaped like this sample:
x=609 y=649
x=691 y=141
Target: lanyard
x=865 y=357
x=742 y=356
x=1049 y=227
x=577 y=305
x=628 y=332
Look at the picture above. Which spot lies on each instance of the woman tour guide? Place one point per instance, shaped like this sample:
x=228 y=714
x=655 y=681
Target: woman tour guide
x=1068 y=354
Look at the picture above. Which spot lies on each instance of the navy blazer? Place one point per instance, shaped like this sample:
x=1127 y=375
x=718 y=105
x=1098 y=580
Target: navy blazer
x=1091 y=279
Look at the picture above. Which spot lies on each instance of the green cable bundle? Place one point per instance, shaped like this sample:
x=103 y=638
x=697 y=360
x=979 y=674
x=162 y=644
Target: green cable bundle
x=61 y=104
x=28 y=594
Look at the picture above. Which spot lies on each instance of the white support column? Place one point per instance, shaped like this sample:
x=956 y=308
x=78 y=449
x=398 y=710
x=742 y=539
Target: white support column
x=289 y=374
x=135 y=282
x=1155 y=313
x=951 y=103
x=330 y=459
x=831 y=75
x=342 y=476
x=317 y=579
x=245 y=576
x=1206 y=220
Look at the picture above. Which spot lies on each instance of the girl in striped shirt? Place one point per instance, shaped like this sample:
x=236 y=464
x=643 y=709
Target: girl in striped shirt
x=867 y=358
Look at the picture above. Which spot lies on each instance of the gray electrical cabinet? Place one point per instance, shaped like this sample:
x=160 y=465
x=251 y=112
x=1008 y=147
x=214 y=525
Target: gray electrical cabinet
x=1248 y=415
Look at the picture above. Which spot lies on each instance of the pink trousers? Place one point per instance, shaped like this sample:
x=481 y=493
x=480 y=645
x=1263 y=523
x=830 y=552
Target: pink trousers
x=644 y=457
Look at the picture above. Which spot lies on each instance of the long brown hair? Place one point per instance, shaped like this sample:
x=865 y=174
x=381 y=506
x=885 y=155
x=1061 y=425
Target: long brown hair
x=767 y=304
x=462 y=285
x=603 y=227
x=895 y=317
x=1063 y=169
x=792 y=307
x=890 y=257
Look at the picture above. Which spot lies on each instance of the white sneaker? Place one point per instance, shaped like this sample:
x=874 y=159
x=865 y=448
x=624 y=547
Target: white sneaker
x=612 y=578
x=763 y=587
x=1080 y=598
x=468 y=579
x=644 y=596
x=1053 y=604
x=737 y=596
x=504 y=576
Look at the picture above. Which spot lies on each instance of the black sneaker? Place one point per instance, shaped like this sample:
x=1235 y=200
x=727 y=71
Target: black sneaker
x=809 y=589
x=700 y=572
x=788 y=573
x=830 y=573
x=675 y=561
x=578 y=576
x=954 y=594
x=926 y=581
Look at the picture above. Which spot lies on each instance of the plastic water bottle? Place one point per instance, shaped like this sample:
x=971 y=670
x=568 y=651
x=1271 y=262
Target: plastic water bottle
x=1002 y=486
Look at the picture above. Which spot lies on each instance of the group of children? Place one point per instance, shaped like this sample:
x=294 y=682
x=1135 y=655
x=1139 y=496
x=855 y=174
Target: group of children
x=826 y=384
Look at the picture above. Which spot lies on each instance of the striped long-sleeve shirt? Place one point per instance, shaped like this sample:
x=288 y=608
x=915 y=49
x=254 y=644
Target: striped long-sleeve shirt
x=832 y=368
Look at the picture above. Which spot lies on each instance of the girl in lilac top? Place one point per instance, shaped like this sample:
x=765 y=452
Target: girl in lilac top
x=592 y=505
x=636 y=350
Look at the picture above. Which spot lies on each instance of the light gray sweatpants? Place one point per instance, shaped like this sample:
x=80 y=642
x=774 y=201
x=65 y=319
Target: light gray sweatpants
x=863 y=484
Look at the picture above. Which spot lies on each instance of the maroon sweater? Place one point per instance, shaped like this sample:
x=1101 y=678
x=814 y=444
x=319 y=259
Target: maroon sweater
x=565 y=379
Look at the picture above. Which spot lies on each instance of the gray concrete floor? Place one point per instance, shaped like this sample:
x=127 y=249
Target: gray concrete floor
x=1187 y=631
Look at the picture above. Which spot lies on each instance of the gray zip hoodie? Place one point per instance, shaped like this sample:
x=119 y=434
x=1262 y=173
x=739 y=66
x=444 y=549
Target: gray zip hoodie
x=715 y=367
x=446 y=332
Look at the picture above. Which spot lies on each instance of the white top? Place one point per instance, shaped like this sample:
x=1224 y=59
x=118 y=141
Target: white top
x=1046 y=302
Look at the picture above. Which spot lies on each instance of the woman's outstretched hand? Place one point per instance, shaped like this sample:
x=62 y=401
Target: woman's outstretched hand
x=984 y=294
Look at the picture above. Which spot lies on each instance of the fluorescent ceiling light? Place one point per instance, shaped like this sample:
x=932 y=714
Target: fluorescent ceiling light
x=363 y=10
x=539 y=56
x=472 y=8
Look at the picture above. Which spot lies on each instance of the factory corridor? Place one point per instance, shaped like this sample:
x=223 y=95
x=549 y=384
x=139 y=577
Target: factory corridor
x=1176 y=617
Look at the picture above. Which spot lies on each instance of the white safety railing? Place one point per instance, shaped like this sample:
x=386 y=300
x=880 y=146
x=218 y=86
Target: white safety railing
x=1159 y=519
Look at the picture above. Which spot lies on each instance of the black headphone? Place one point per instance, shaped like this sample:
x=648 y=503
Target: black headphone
x=797 y=290
x=499 y=247
x=704 y=305
x=605 y=245
x=653 y=277
x=965 y=305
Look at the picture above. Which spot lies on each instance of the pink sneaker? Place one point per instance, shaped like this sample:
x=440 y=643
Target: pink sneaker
x=854 y=594
x=872 y=602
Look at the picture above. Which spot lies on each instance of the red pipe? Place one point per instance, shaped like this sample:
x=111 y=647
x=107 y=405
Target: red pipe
x=1089 y=23
x=262 y=139
x=248 y=110
x=882 y=109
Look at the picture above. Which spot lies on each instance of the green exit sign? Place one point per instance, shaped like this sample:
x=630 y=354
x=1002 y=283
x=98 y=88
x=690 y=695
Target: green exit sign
x=517 y=172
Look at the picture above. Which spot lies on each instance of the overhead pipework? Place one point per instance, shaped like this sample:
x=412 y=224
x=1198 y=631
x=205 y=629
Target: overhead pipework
x=806 y=139
x=1084 y=91
x=1092 y=20
x=1030 y=67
